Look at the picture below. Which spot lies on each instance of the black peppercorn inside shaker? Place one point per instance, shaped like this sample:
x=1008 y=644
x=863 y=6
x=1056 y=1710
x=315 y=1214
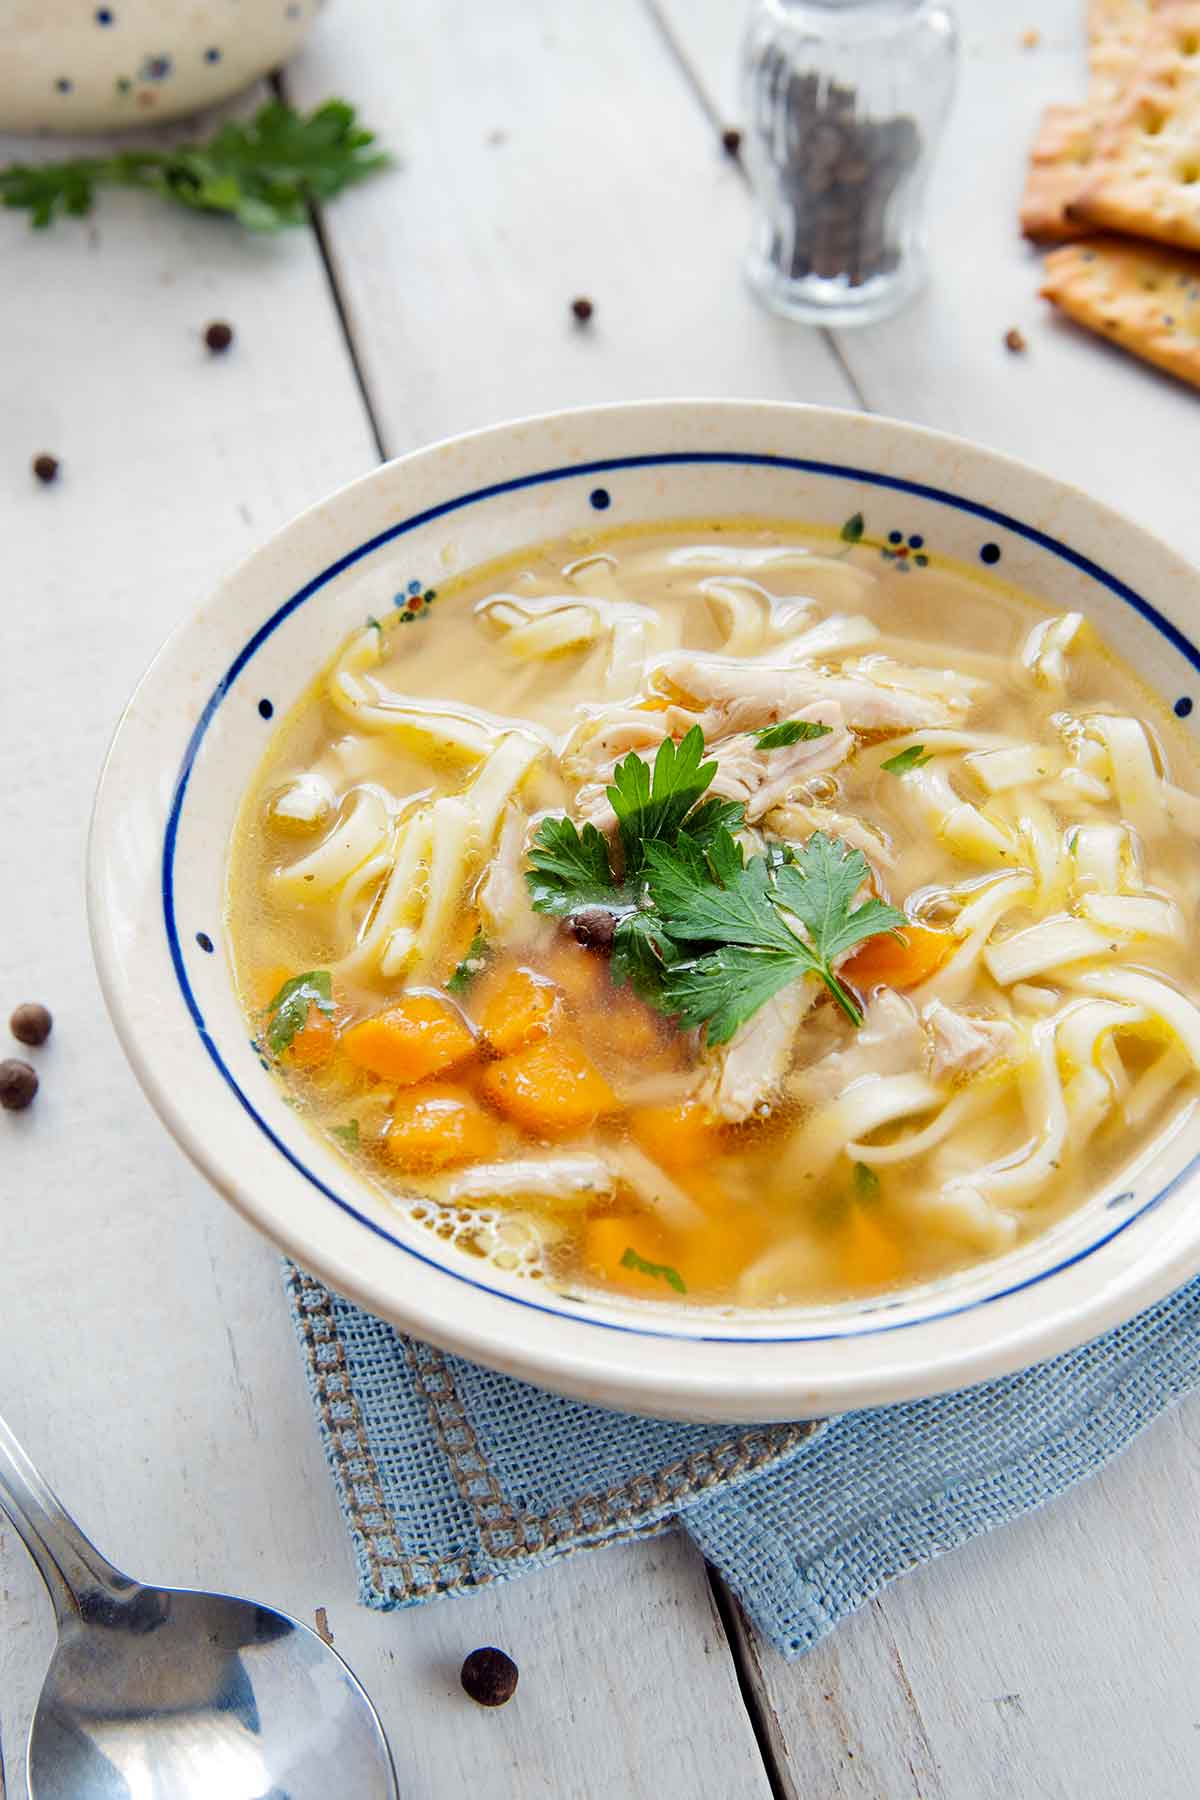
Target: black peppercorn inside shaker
x=842 y=107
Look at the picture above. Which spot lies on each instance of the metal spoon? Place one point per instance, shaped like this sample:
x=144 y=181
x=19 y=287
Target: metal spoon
x=170 y=1694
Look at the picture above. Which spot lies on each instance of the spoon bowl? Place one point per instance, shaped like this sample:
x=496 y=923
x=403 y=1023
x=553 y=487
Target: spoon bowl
x=174 y=1694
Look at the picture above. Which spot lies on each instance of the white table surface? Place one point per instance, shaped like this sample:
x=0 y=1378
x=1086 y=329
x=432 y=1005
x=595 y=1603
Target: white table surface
x=549 y=147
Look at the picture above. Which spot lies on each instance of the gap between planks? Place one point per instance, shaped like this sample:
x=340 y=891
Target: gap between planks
x=278 y=85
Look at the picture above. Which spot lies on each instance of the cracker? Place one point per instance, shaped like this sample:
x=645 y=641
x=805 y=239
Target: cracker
x=1057 y=166
x=1141 y=296
x=1068 y=136
x=1144 y=178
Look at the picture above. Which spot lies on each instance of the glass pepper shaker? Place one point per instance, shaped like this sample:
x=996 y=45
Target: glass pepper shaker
x=843 y=102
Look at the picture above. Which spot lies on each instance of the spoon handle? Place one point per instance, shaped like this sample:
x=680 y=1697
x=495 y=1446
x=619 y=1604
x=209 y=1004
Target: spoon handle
x=74 y=1571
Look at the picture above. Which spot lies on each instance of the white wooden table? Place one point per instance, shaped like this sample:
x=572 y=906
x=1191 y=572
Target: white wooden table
x=550 y=147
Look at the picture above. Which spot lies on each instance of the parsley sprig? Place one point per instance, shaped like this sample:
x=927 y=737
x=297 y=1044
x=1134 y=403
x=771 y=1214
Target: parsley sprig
x=289 y=1009
x=760 y=924
x=264 y=172
x=702 y=932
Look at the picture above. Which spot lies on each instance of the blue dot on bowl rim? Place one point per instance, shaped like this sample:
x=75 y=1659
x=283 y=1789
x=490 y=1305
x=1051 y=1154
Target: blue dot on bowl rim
x=205 y=942
x=265 y=708
x=916 y=541
x=895 y=537
x=212 y=54
x=600 y=498
x=990 y=553
x=104 y=15
x=62 y=85
x=1183 y=706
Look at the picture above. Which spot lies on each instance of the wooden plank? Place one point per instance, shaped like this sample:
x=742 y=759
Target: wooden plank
x=546 y=154
x=149 y=1361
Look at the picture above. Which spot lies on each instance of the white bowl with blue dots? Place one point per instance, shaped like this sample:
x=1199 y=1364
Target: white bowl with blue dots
x=70 y=66
x=391 y=543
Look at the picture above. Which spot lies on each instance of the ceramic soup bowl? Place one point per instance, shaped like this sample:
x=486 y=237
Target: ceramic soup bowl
x=197 y=726
x=74 y=65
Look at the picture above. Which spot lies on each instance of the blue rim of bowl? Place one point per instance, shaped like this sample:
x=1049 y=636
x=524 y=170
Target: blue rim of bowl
x=582 y=471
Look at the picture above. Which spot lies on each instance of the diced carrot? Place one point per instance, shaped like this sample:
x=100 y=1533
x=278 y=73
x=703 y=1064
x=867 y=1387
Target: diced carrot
x=581 y=974
x=549 y=1088
x=606 y=1242
x=313 y=1044
x=627 y=1028
x=419 y=1036
x=516 y=1007
x=435 y=1126
x=902 y=962
x=720 y=1248
x=679 y=1137
x=871 y=1257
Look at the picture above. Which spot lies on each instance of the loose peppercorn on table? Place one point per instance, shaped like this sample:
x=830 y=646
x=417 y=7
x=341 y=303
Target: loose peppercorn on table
x=148 y=1353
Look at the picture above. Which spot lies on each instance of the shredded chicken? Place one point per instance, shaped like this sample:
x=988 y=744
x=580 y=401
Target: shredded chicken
x=889 y=1042
x=796 y=823
x=751 y=1067
x=963 y=1043
x=757 y=694
x=758 y=779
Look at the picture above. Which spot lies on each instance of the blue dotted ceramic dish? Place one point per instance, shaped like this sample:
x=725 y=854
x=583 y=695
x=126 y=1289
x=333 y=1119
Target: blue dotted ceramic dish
x=195 y=731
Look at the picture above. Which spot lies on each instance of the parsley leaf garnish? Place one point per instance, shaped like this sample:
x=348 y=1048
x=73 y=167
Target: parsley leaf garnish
x=740 y=912
x=789 y=731
x=661 y=1271
x=289 y=1008
x=569 y=869
x=701 y=932
x=904 y=760
x=264 y=172
x=641 y=954
x=472 y=964
x=652 y=806
x=725 y=988
x=347 y=1134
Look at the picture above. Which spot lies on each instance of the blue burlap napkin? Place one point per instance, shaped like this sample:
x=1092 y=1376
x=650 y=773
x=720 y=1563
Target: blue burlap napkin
x=452 y=1477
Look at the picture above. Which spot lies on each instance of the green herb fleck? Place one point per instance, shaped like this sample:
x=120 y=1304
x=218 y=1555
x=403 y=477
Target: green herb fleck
x=866 y=1182
x=374 y=625
x=264 y=172
x=789 y=731
x=913 y=758
x=289 y=1008
x=473 y=963
x=853 y=529
x=347 y=1134
x=659 y=1271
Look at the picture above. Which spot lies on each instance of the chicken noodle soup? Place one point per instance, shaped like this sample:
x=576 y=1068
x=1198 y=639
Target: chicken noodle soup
x=725 y=913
